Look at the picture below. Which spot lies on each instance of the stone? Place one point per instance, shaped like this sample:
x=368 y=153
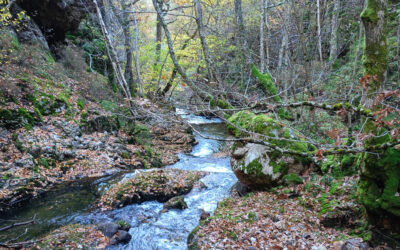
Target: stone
x=239 y=189
x=204 y=215
x=29 y=32
x=108 y=228
x=258 y=170
x=56 y=17
x=121 y=237
x=354 y=244
x=177 y=202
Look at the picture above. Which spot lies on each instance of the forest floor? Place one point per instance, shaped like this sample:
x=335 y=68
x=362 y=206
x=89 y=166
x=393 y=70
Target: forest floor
x=54 y=130
x=319 y=214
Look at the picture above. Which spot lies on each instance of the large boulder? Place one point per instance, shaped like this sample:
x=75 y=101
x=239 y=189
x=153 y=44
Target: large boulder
x=260 y=166
x=55 y=17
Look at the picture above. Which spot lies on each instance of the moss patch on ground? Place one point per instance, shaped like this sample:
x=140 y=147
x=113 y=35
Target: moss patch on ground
x=74 y=237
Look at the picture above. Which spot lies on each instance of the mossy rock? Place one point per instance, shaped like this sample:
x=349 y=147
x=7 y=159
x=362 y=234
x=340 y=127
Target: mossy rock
x=262 y=167
x=101 y=124
x=16 y=118
x=160 y=185
x=379 y=186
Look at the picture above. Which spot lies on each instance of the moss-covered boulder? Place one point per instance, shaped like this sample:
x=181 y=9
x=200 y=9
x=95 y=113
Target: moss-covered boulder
x=158 y=185
x=379 y=188
x=16 y=118
x=262 y=166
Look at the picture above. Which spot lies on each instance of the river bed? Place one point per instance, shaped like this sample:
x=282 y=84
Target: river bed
x=151 y=229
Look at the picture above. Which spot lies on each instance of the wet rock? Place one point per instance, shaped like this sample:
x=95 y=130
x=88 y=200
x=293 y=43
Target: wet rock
x=108 y=229
x=121 y=237
x=123 y=225
x=204 y=215
x=176 y=202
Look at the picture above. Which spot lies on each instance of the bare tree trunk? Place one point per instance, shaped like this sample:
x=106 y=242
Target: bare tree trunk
x=112 y=55
x=213 y=74
x=319 y=30
x=175 y=71
x=158 y=41
x=137 y=62
x=398 y=49
x=266 y=33
x=334 y=31
x=262 y=41
x=124 y=20
x=282 y=49
x=241 y=37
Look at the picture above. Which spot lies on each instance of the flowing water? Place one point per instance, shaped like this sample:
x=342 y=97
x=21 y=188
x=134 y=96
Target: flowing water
x=151 y=229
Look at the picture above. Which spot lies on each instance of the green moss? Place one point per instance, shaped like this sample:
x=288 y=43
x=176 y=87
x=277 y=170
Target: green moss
x=46 y=162
x=123 y=225
x=369 y=13
x=191 y=244
x=280 y=167
x=6 y=176
x=266 y=83
x=125 y=155
x=18 y=144
x=254 y=167
x=81 y=104
x=292 y=179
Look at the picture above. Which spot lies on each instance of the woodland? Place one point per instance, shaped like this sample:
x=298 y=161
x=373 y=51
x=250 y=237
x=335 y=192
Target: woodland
x=200 y=124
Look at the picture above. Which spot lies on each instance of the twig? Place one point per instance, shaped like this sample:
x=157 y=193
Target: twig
x=18 y=224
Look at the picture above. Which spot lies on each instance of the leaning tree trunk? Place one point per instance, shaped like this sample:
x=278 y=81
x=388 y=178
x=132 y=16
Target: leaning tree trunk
x=380 y=173
x=200 y=92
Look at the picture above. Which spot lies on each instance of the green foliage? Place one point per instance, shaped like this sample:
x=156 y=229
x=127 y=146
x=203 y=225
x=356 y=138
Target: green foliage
x=125 y=155
x=108 y=105
x=292 y=179
x=123 y=225
x=6 y=176
x=266 y=83
x=18 y=144
x=81 y=104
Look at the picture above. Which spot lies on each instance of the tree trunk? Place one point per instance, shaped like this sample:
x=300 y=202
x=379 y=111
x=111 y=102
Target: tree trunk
x=174 y=72
x=262 y=41
x=334 y=31
x=158 y=41
x=213 y=74
x=319 y=31
x=124 y=19
x=241 y=37
x=379 y=185
x=203 y=94
x=137 y=62
x=112 y=54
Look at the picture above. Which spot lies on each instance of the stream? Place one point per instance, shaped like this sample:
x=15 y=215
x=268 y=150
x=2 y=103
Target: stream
x=151 y=229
